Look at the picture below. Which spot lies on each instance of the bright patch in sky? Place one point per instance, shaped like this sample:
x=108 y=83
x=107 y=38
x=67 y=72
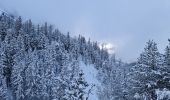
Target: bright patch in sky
x=127 y=23
x=109 y=47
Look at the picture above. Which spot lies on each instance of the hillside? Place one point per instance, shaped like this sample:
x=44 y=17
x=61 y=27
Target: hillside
x=38 y=62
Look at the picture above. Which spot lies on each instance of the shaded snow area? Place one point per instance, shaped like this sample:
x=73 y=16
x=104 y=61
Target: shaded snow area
x=163 y=94
x=90 y=76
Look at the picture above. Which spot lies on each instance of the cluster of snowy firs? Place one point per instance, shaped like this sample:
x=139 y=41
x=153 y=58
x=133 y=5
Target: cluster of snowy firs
x=38 y=62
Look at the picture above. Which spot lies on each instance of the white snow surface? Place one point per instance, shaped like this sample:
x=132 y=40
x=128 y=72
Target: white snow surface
x=162 y=94
x=90 y=74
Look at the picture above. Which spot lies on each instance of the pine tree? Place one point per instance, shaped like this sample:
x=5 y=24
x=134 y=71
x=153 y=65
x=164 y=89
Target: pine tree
x=76 y=89
x=18 y=26
x=146 y=72
x=167 y=55
x=3 y=27
x=163 y=83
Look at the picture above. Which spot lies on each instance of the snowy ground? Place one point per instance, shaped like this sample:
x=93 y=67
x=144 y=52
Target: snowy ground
x=162 y=94
x=90 y=76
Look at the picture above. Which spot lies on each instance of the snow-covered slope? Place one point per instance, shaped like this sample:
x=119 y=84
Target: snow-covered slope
x=90 y=76
x=162 y=94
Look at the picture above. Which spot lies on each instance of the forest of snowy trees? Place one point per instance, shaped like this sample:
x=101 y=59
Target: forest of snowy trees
x=38 y=62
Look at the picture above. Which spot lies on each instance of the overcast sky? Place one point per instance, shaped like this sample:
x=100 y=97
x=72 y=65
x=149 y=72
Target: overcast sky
x=126 y=24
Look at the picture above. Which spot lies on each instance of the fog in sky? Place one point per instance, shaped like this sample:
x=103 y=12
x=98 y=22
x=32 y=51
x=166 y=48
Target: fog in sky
x=126 y=24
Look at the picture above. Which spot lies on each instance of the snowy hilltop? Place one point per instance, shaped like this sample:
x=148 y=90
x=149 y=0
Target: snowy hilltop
x=38 y=62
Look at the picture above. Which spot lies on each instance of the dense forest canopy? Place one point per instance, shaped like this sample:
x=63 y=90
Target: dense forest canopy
x=38 y=62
